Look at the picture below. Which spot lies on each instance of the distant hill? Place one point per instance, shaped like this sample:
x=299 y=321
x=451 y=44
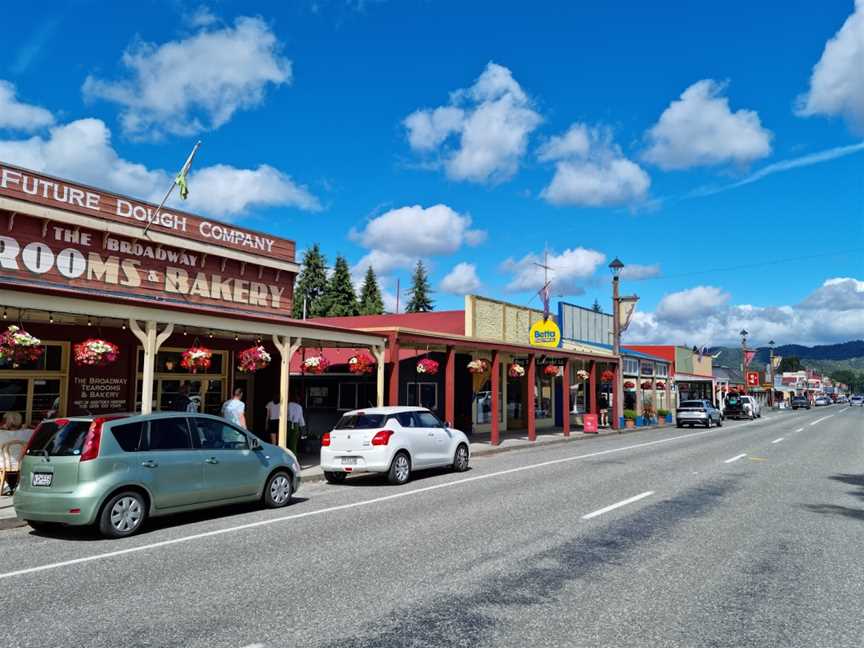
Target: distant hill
x=823 y=357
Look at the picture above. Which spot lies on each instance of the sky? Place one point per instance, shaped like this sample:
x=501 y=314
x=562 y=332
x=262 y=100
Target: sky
x=717 y=149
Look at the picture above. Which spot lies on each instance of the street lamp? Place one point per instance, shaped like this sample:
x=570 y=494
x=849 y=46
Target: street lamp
x=771 y=372
x=617 y=410
x=744 y=362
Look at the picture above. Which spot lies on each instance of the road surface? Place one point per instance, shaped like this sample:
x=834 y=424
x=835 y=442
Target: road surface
x=745 y=535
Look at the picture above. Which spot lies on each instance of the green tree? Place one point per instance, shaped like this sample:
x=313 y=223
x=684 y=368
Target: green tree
x=339 y=298
x=420 y=291
x=597 y=308
x=790 y=363
x=311 y=284
x=370 y=295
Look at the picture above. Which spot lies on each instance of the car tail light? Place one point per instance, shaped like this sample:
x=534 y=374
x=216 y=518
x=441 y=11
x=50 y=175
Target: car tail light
x=382 y=437
x=93 y=439
x=325 y=439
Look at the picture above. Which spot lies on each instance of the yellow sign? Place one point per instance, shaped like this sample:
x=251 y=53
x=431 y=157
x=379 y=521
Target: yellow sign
x=544 y=334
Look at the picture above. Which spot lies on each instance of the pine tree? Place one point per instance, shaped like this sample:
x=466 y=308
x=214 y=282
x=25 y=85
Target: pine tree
x=370 y=295
x=339 y=298
x=597 y=308
x=311 y=284
x=420 y=290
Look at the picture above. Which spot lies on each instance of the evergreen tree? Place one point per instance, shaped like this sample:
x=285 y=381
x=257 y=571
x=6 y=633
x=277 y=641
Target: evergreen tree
x=597 y=308
x=420 y=290
x=339 y=298
x=370 y=295
x=311 y=284
x=790 y=363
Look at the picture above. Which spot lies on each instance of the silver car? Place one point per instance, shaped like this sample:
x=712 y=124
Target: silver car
x=698 y=412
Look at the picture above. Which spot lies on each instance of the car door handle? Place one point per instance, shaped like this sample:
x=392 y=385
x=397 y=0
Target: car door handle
x=211 y=460
x=432 y=434
x=149 y=463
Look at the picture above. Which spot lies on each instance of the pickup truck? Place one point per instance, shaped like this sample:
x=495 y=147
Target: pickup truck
x=736 y=407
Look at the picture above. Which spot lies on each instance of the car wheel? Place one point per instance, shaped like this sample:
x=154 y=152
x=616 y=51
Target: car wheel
x=122 y=515
x=400 y=469
x=720 y=422
x=460 y=459
x=278 y=490
x=334 y=477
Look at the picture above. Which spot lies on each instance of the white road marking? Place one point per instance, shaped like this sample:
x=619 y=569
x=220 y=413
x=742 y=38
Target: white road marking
x=819 y=420
x=800 y=430
x=735 y=458
x=612 y=507
x=777 y=440
x=342 y=507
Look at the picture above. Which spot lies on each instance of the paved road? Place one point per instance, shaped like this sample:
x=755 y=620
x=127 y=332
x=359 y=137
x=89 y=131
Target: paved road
x=746 y=535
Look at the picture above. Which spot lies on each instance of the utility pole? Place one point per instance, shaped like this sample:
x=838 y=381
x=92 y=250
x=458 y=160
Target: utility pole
x=771 y=373
x=397 y=295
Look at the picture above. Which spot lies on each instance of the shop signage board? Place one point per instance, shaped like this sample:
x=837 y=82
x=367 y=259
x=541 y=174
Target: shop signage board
x=544 y=333
x=752 y=378
x=67 y=257
x=31 y=187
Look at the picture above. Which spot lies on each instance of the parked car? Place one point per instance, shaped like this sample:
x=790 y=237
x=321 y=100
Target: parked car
x=799 y=402
x=116 y=471
x=842 y=400
x=738 y=407
x=752 y=406
x=697 y=412
x=391 y=440
x=822 y=401
x=857 y=400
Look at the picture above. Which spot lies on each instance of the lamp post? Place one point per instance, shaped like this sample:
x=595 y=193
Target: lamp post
x=744 y=362
x=618 y=388
x=771 y=373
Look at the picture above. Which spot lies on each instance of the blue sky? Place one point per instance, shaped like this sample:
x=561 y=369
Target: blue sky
x=476 y=138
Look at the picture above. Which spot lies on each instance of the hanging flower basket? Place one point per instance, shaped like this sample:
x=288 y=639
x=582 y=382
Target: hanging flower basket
x=19 y=347
x=362 y=363
x=550 y=370
x=646 y=384
x=478 y=366
x=196 y=359
x=582 y=374
x=252 y=359
x=427 y=366
x=316 y=364
x=661 y=385
x=607 y=376
x=516 y=370
x=629 y=384
x=95 y=352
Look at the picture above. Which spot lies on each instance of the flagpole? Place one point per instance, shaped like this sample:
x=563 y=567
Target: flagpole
x=183 y=172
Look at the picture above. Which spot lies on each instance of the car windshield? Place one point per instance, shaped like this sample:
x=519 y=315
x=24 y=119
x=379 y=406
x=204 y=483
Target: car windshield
x=697 y=404
x=59 y=438
x=360 y=421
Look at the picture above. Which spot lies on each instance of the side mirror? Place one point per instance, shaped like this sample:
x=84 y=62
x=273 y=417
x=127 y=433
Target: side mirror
x=448 y=424
x=254 y=443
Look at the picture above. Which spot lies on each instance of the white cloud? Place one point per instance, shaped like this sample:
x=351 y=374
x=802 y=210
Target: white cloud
x=636 y=272
x=493 y=119
x=82 y=151
x=821 y=318
x=568 y=270
x=16 y=115
x=461 y=280
x=201 y=17
x=187 y=86
x=383 y=263
x=590 y=170
x=419 y=231
x=837 y=82
x=697 y=302
x=699 y=129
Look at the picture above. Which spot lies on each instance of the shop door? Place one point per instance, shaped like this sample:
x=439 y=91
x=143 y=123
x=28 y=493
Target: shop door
x=247 y=384
x=516 y=398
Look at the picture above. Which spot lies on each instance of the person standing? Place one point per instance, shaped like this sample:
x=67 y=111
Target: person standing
x=296 y=422
x=272 y=419
x=234 y=409
x=181 y=401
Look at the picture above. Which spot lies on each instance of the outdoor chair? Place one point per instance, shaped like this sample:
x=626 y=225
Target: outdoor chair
x=10 y=461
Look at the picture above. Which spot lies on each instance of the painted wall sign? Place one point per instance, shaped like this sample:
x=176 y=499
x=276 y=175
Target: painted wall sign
x=44 y=190
x=68 y=257
x=544 y=334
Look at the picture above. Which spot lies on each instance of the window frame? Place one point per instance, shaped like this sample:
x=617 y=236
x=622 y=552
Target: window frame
x=631 y=366
x=32 y=375
x=417 y=387
x=196 y=442
x=189 y=438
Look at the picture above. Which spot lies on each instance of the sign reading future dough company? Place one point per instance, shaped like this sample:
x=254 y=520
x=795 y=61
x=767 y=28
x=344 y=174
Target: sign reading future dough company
x=544 y=333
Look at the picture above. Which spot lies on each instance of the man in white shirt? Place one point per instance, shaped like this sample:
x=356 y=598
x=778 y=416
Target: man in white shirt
x=296 y=422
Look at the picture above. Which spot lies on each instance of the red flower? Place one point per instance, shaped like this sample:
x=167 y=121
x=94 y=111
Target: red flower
x=607 y=376
x=196 y=358
x=253 y=359
x=362 y=363
x=95 y=353
x=629 y=384
x=427 y=366
x=550 y=370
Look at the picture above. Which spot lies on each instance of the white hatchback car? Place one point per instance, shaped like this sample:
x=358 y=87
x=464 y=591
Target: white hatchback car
x=391 y=440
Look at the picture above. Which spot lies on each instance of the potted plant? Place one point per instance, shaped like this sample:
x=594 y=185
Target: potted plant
x=315 y=364
x=661 y=416
x=630 y=418
x=516 y=370
x=95 y=352
x=582 y=374
x=629 y=384
x=252 y=359
x=19 y=347
x=362 y=363
x=607 y=376
x=550 y=370
x=196 y=358
x=427 y=366
x=478 y=366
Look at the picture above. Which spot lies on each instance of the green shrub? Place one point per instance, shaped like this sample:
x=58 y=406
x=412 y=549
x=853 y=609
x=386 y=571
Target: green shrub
x=663 y=412
x=630 y=414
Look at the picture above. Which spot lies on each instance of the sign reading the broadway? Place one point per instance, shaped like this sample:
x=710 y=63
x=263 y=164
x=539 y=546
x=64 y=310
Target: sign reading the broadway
x=82 y=258
x=44 y=190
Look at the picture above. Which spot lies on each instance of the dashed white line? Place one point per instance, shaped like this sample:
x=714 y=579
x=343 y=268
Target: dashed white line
x=612 y=507
x=736 y=458
x=800 y=430
x=819 y=420
x=777 y=440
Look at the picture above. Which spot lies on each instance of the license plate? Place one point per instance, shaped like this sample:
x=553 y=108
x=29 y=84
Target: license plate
x=350 y=461
x=42 y=479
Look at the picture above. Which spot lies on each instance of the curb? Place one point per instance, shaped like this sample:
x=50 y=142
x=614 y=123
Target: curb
x=493 y=450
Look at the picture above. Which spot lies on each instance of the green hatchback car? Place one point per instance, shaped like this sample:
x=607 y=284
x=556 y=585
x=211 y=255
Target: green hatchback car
x=116 y=471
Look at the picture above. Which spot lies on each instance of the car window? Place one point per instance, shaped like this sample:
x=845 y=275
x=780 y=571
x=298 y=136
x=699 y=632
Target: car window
x=692 y=404
x=407 y=420
x=129 y=436
x=427 y=420
x=59 y=438
x=210 y=434
x=360 y=421
x=169 y=434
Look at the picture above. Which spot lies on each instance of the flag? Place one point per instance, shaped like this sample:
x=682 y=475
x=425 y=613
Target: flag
x=776 y=362
x=180 y=180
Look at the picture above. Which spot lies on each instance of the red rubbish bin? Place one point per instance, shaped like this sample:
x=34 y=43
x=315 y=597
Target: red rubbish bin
x=589 y=423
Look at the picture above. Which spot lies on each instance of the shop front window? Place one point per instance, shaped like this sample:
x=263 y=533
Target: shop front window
x=482 y=405
x=422 y=394
x=34 y=391
x=543 y=397
x=631 y=366
x=207 y=390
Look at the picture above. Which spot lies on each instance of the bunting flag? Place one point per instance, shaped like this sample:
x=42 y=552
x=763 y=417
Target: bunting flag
x=626 y=308
x=775 y=363
x=748 y=356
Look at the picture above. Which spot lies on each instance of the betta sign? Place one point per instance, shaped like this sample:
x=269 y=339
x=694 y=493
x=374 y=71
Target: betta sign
x=544 y=333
